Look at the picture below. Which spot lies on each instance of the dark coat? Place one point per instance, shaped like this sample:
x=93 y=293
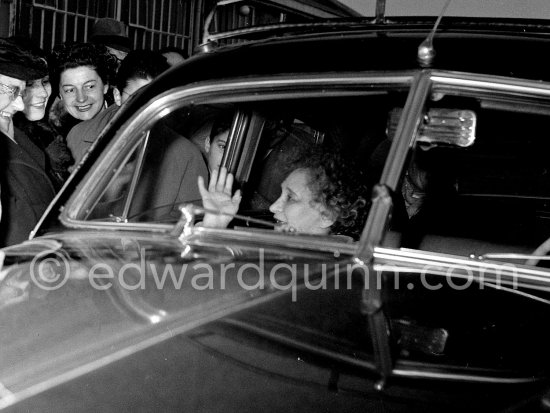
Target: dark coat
x=26 y=188
x=58 y=156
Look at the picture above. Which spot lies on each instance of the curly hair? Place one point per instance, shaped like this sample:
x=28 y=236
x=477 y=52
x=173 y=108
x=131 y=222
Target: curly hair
x=73 y=55
x=339 y=187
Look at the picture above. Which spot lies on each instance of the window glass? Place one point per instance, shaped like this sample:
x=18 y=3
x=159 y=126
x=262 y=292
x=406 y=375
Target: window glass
x=495 y=192
x=114 y=195
x=161 y=171
x=486 y=201
x=291 y=131
x=261 y=142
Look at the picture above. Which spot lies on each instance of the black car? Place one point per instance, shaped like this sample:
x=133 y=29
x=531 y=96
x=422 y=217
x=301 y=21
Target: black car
x=119 y=301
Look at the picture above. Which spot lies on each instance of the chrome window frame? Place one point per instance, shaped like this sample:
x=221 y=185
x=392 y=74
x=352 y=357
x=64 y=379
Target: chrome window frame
x=227 y=91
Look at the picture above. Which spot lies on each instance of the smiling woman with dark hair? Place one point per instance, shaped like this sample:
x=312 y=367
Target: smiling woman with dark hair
x=31 y=119
x=138 y=69
x=83 y=72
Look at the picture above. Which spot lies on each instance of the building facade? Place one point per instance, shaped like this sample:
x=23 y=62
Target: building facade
x=152 y=24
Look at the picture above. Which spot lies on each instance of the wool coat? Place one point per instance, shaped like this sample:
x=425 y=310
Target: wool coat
x=26 y=188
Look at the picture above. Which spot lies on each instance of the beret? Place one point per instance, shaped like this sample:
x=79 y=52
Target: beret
x=20 y=63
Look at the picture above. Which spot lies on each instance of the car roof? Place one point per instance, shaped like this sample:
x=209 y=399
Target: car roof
x=491 y=46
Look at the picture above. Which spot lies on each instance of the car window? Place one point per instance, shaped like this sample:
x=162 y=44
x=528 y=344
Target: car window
x=495 y=192
x=484 y=205
x=160 y=172
x=354 y=127
x=259 y=141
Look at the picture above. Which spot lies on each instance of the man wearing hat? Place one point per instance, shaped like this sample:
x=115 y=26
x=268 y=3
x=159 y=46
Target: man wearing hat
x=112 y=34
x=26 y=188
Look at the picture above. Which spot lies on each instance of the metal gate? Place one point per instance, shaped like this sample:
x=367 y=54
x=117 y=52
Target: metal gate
x=152 y=24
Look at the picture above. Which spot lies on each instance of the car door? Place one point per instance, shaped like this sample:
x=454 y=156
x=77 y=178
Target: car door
x=459 y=301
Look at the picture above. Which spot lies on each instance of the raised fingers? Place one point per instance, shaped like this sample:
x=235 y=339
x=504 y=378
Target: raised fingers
x=237 y=197
x=229 y=184
x=202 y=187
x=213 y=181
x=220 y=185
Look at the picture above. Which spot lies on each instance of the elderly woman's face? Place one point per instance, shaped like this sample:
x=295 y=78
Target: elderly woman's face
x=82 y=92
x=36 y=98
x=10 y=103
x=295 y=209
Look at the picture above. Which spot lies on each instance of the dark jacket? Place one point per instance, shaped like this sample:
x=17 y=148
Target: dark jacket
x=25 y=187
x=58 y=156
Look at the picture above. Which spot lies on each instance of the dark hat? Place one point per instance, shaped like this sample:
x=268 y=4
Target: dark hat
x=19 y=63
x=112 y=33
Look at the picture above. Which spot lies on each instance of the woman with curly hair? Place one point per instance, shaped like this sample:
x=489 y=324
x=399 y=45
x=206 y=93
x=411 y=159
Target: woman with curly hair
x=319 y=196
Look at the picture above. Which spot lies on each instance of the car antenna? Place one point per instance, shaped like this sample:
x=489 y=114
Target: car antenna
x=206 y=44
x=426 y=51
x=380 y=12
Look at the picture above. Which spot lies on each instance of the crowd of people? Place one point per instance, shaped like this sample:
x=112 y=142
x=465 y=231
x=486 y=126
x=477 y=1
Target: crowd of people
x=53 y=107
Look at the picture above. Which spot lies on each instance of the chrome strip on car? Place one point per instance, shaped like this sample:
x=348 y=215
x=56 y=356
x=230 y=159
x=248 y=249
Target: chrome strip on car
x=379 y=214
x=413 y=261
x=496 y=84
x=135 y=177
x=423 y=374
x=404 y=136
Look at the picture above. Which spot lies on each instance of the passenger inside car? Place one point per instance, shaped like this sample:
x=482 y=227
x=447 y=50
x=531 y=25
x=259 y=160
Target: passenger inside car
x=171 y=163
x=322 y=195
x=168 y=178
x=284 y=143
x=263 y=141
x=214 y=144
